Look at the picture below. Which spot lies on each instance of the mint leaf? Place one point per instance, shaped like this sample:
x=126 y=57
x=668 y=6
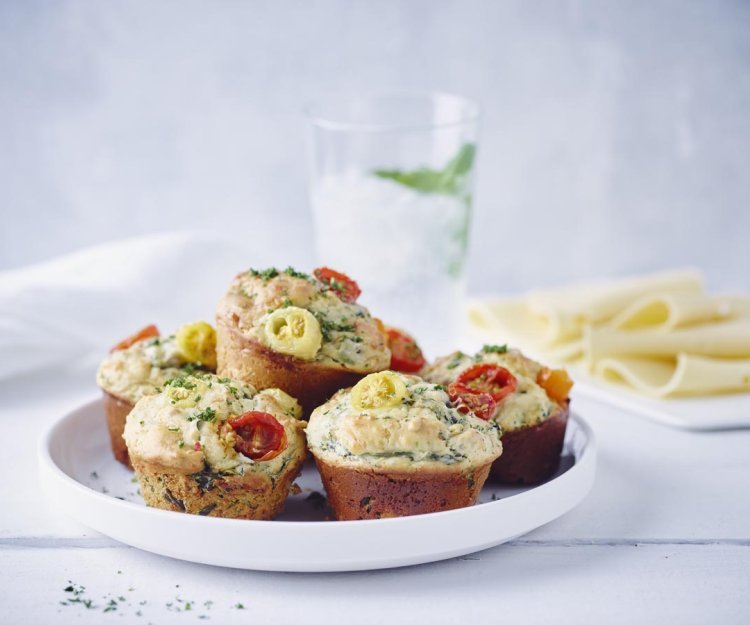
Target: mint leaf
x=448 y=181
x=425 y=180
x=461 y=164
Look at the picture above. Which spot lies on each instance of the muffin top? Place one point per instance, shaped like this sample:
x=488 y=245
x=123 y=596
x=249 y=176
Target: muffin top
x=399 y=422
x=312 y=318
x=524 y=401
x=140 y=365
x=198 y=423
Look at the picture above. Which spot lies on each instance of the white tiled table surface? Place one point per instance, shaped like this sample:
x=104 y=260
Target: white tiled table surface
x=664 y=537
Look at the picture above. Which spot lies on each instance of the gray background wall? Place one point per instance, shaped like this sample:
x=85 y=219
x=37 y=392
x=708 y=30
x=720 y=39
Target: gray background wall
x=616 y=134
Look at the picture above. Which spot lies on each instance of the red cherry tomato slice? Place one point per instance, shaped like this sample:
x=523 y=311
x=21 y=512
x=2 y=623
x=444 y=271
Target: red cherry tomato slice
x=405 y=353
x=466 y=400
x=259 y=435
x=346 y=288
x=489 y=378
x=150 y=331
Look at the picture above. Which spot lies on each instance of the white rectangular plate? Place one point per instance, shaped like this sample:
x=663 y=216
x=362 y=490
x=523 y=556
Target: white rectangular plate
x=720 y=412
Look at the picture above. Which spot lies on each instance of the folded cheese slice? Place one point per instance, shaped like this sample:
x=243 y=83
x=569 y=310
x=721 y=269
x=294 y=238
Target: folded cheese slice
x=552 y=316
x=667 y=311
x=729 y=339
x=681 y=376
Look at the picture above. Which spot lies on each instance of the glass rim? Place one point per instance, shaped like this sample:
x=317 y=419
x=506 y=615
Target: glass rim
x=470 y=111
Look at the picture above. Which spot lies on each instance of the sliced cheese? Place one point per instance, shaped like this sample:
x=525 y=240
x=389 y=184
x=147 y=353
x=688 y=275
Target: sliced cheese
x=662 y=335
x=684 y=375
x=730 y=339
x=552 y=316
x=667 y=311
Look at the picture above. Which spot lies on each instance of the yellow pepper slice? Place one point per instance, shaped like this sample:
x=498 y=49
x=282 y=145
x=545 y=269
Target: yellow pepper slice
x=384 y=389
x=197 y=343
x=293 y=331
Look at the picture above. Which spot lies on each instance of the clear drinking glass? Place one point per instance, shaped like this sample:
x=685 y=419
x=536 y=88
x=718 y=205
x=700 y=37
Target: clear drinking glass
x=391 y=186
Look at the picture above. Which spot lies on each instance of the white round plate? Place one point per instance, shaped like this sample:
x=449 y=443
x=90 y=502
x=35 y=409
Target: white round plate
x=82 y=479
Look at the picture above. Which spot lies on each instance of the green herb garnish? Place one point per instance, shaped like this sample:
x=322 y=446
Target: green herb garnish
x=327 y=326
x=209 y=414
x=291 y=271
x=266 y=274
x=494 y=349
x=180 y=382
x=451 y=180
x=189 y=368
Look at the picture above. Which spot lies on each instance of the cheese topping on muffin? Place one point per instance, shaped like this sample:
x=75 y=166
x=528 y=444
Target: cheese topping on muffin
x=184 y=427
x=143 y=367
x=401 y=422
x=298 y=315
x=528 y=405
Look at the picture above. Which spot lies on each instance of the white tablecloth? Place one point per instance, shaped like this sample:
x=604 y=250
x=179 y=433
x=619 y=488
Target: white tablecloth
x=664 y=535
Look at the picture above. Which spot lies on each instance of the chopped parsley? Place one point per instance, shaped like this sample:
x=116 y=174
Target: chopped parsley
x=494 y=349
x=209 y=414
x=336 y=285
x=180 y=382
x=230 y=387
x=291 y=271
x=327 y=326
x=266 y=274
x=189 y=368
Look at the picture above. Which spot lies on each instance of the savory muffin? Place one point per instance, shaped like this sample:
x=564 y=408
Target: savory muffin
x=527 y=400
x=140 y=364
x=211 y=446
x=394 y=445
x=301 y=333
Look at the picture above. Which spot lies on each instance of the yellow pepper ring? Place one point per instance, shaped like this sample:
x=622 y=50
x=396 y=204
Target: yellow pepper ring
x=378 y=390
x=293 y=331
x=197 y=343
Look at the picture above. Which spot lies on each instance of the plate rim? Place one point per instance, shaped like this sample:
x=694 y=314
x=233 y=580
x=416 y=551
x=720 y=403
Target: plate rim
x=51 y=475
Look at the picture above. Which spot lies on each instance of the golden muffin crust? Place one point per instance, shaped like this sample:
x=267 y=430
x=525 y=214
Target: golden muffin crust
x=143 y=367
x=330 y=332
x=417 y=428
x=184 y=451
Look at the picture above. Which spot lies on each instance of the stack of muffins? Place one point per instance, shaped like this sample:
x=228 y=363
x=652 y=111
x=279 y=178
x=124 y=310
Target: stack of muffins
x=212 y=421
